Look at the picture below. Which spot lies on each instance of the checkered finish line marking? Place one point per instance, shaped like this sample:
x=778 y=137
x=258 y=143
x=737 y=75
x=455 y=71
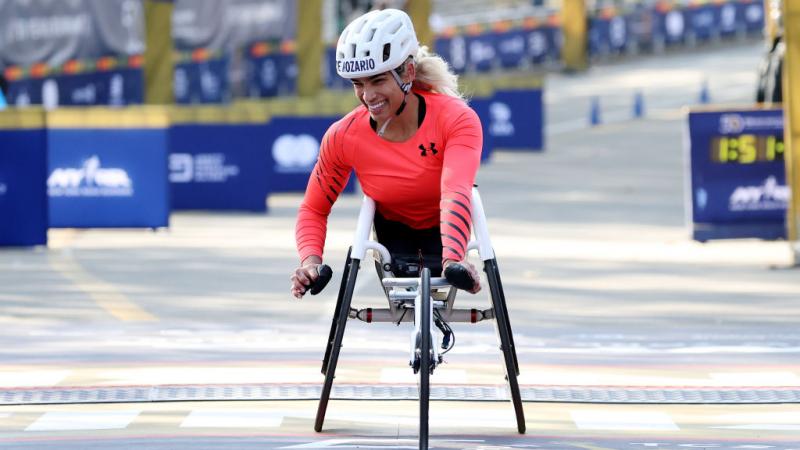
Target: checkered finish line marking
x=556 y=394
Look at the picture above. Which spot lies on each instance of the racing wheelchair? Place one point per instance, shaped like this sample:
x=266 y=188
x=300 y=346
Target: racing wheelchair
x=432 y=301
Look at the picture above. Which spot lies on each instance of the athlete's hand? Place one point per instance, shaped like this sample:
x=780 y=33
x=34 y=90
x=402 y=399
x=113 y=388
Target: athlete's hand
x=305 y=275
x=463 y=275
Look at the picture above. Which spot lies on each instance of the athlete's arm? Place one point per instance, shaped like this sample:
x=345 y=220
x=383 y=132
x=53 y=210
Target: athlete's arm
x=462 y=156
x=327 y=180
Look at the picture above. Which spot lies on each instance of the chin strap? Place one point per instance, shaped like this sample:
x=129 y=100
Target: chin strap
x=406 y=88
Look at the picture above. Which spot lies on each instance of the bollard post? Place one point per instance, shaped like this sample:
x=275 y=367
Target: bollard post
x=705 y=97
x=638 y=105
x=594 y=112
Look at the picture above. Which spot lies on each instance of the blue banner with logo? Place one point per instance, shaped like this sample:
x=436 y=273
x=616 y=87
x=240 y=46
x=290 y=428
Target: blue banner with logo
x=292 y=148
x=737 y=178
x=481 y=107
x=751 y=14
x=111 y=88
x=513 y=119
x=108 y=177
x=219 y=166
x=23 y=195
x=202 y=82
x=272 y=75
x=608 y=36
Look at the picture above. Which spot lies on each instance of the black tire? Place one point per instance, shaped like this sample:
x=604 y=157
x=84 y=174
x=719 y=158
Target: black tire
x=425 y=363
x=506 y=340
x=505 y=314
x=336 y=344
x=335 y=319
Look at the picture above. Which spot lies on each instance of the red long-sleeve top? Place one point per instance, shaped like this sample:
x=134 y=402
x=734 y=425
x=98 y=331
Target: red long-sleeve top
x=423 y=181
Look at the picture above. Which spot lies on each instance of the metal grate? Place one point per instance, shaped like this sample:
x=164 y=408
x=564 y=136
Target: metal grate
x=565 y=394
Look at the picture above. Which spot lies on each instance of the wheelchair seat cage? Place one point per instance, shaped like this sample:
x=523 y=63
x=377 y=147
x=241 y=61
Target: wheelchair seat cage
x=432 y=300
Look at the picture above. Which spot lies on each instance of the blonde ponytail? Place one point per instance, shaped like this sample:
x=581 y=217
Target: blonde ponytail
x=433 y=74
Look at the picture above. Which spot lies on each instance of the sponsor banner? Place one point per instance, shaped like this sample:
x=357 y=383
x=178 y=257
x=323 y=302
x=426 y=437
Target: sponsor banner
x=737 y=184
x=641 y=24
x=542 y=44
x=511 y=48
x=205 y=82
x=331 y=77
x=218 y=167
x=727 y=18
x=608 y=35
x=273 y=75
x=702 y=22
x=107 y=178
x=293 y=147
x=670 y=27
x=112 y=88
x=481 y=107
x=481 y=51
x=23 y=195
x=54 y=32
x=215 y=44
x=514 y=119
x=454 y=51
x=227 y=26
x=751 y=15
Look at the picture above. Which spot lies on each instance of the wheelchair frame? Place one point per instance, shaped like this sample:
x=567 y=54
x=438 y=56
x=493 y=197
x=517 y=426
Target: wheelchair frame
x=424 y=295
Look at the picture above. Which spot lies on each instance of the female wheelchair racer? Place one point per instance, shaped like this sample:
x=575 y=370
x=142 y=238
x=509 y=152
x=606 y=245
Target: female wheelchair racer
x=415 y=147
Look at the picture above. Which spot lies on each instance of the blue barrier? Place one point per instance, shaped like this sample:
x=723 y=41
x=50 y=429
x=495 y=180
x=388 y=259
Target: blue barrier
x=292 y=148
x=736 y=173
x=114 y=88
x=202 y=82
x=108 y=168
x=23 y=175
x=516 y=119
x=218 y=166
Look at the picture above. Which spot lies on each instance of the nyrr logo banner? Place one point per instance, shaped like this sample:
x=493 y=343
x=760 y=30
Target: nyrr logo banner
x=105 y=177
x=89 y=180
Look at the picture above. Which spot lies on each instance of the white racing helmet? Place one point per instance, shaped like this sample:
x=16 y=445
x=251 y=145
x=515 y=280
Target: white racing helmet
x=377 y=42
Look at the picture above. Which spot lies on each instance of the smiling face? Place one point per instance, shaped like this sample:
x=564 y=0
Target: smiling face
x=380 y=94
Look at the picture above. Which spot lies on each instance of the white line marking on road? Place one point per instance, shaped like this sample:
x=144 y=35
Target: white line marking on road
x=85 y=420
x=232 y=419
x=762 y=426
x=32 y=378
x=632 y=420
x=756 y=378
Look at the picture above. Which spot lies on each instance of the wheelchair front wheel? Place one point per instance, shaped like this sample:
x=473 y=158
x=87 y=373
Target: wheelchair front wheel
x=425 y=355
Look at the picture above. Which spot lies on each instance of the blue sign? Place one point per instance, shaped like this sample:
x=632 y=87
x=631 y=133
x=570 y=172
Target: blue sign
x=292 y=148
x=481 y=107
x=108 y=178
x=331 y=78
x=201 y=82
x=219 y=166
x=454 y=51
x=703 y=21
x=514 y=119
x=671 y=27
x=751 y=13
x=608 y=35
x=23 y=195
x=272 y=75
x=112 y=88
x=511 y=48
x=737 y=178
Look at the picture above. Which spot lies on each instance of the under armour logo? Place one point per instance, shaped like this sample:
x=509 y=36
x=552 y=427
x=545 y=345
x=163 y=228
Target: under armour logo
x=424 y=151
